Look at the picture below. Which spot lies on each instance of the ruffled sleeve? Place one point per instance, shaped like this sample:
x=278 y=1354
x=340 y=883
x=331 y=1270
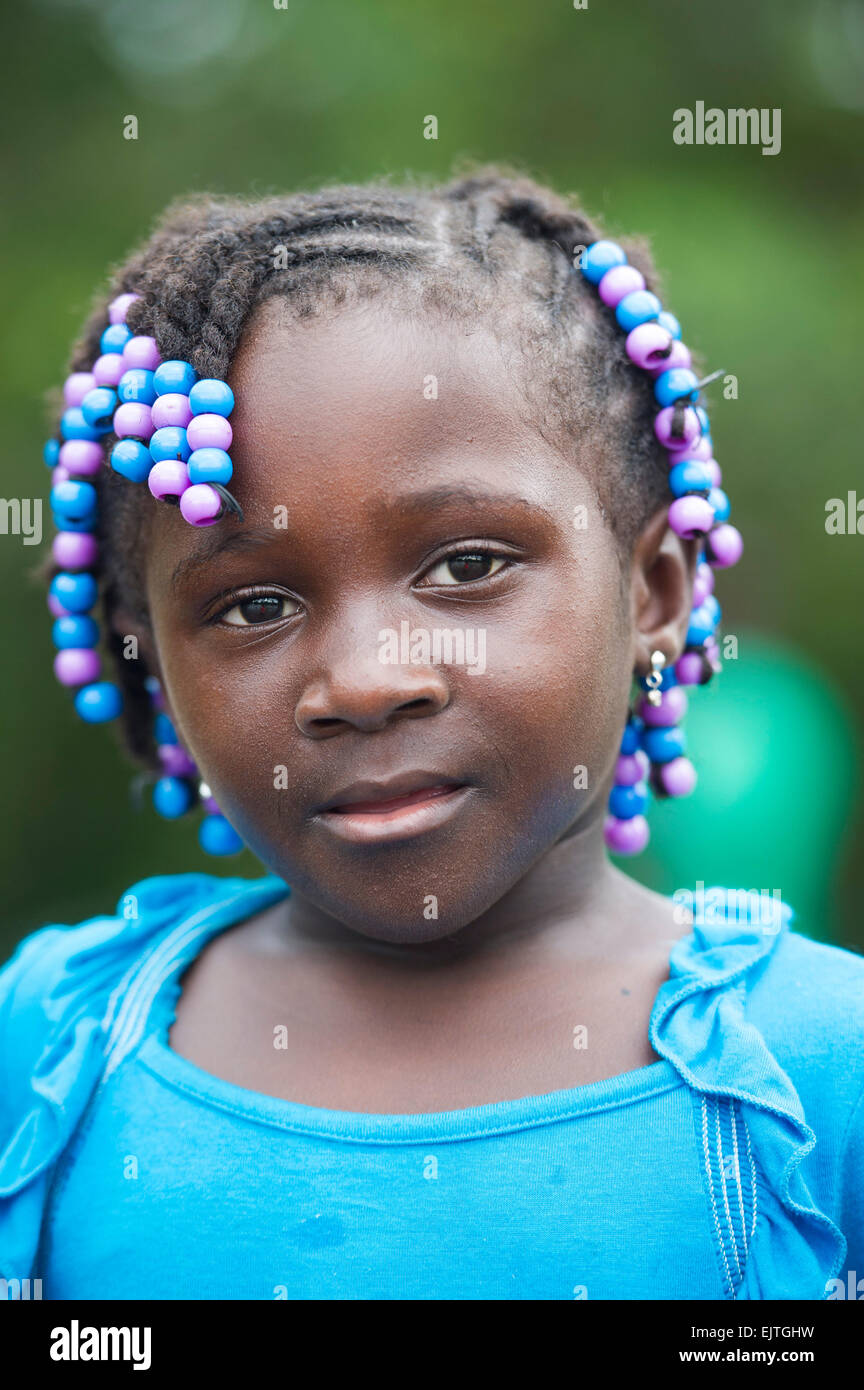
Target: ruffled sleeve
x=56 y=999
x=791 y=1248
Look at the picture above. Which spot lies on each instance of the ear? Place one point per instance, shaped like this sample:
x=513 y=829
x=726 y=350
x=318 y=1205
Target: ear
x=661 y=591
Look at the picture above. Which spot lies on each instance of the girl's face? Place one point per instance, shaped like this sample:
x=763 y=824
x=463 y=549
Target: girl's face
x=408 y=605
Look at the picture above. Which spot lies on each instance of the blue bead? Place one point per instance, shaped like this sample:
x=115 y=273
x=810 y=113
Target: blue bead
x=701 y=626
x=631 y=737
x=662 y=745
x=74 y=426
x=115 y=338
x=211 y=397
x=163 y=729
x=174 y=378
x=99 y=702
x=77 y=592
x=670 y=323
x=210 y=466
x=98 y=407
x=668 y=678
x=172 y=797
x=216 y=836
x=636 y=308
x=689 y=476
x=65 y=523
x=74 y=632
x=51 y=452
x=132 y=459
x=672 y=385
x=702 y=414
x=169 y=443
x=75 y=500
x=720 y=502
x=600 y=257
x=712 y=609
x=626 y=802
x=137 y=385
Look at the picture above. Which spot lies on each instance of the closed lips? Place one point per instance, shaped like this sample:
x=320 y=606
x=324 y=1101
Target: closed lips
x=379 y=806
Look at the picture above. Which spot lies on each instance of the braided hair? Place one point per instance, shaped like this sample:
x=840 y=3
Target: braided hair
x=491 y=245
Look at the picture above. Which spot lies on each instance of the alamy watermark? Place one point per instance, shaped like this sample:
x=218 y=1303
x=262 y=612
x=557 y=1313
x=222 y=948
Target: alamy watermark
x=22 y=516
x=737 y=126
x=756 y=907
x=437 y=646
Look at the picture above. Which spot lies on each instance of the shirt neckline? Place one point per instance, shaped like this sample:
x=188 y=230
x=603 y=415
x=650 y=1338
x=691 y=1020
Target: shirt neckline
x=503 y=1116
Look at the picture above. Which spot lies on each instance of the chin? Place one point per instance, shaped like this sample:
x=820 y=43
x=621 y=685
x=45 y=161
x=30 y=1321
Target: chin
x=412 y=910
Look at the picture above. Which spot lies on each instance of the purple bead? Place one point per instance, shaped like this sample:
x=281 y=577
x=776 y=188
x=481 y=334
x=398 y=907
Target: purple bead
x=648 y=346
x=629 y=770
x=671 y=709
x=701 y=451
x=663 y=430
x=74 y=550
x=690 y=669
x=620 y=280
x=175 y=761
x=724 y=546
x=678 y=357
x=626 y=836
x=211 y=806
x=108 y=369
x=119 y=307
x=133 y=420
x=712 y=468
x=60 y=474
x=82 y=457
x=76 y=387
x=56 y=609
x=703 y=583
x=691 y=516
x=168 y=478
x=201 y=504
x=77 y=666
x=141 y=352
x=677 y=777
x=209 y=432
x=172 y=409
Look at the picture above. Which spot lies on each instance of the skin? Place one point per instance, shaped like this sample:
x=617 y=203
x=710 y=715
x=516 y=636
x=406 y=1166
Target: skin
x=386 y=1008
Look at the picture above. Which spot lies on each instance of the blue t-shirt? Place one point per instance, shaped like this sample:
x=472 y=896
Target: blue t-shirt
x=730 y=1169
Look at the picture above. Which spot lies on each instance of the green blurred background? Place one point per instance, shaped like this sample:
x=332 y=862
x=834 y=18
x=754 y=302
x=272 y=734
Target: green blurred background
x=762 y=262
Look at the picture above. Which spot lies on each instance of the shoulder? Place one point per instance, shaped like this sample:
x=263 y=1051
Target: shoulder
x=809 y=1005
x=62 y=994
x=60 y=980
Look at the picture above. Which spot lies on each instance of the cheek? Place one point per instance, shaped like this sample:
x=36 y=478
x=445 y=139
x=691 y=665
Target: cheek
x=558 y=689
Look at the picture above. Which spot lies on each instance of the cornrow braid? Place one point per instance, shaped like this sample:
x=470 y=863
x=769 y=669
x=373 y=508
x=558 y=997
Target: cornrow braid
x=490 y=244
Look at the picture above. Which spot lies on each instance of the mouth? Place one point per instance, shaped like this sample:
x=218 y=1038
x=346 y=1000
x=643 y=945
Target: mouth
x=398 y=808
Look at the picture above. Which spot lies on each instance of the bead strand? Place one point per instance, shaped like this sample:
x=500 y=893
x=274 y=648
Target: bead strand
x=653 y=749
x=171 y=431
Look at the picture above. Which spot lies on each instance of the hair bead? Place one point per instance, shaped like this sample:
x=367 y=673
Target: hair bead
x=171 y=410
x=97 y=704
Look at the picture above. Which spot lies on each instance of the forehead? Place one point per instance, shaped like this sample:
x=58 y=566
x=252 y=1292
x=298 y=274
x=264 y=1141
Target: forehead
x=368 y=379
x=344 y=418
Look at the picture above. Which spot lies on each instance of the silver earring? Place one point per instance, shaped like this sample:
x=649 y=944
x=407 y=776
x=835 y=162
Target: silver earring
x=654 y=680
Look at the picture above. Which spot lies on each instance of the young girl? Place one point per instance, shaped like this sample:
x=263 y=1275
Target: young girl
x=388 y=641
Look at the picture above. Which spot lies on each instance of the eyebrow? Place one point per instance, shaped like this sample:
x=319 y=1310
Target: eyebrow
x=221 y=544
x=430 y=500
x=435 y=499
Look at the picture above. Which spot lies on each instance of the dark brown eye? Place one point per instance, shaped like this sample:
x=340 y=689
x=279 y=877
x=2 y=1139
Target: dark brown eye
x=252 y=611
x=462 y=568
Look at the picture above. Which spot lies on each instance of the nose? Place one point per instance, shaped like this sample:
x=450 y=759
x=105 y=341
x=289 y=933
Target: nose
x=367 y=695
